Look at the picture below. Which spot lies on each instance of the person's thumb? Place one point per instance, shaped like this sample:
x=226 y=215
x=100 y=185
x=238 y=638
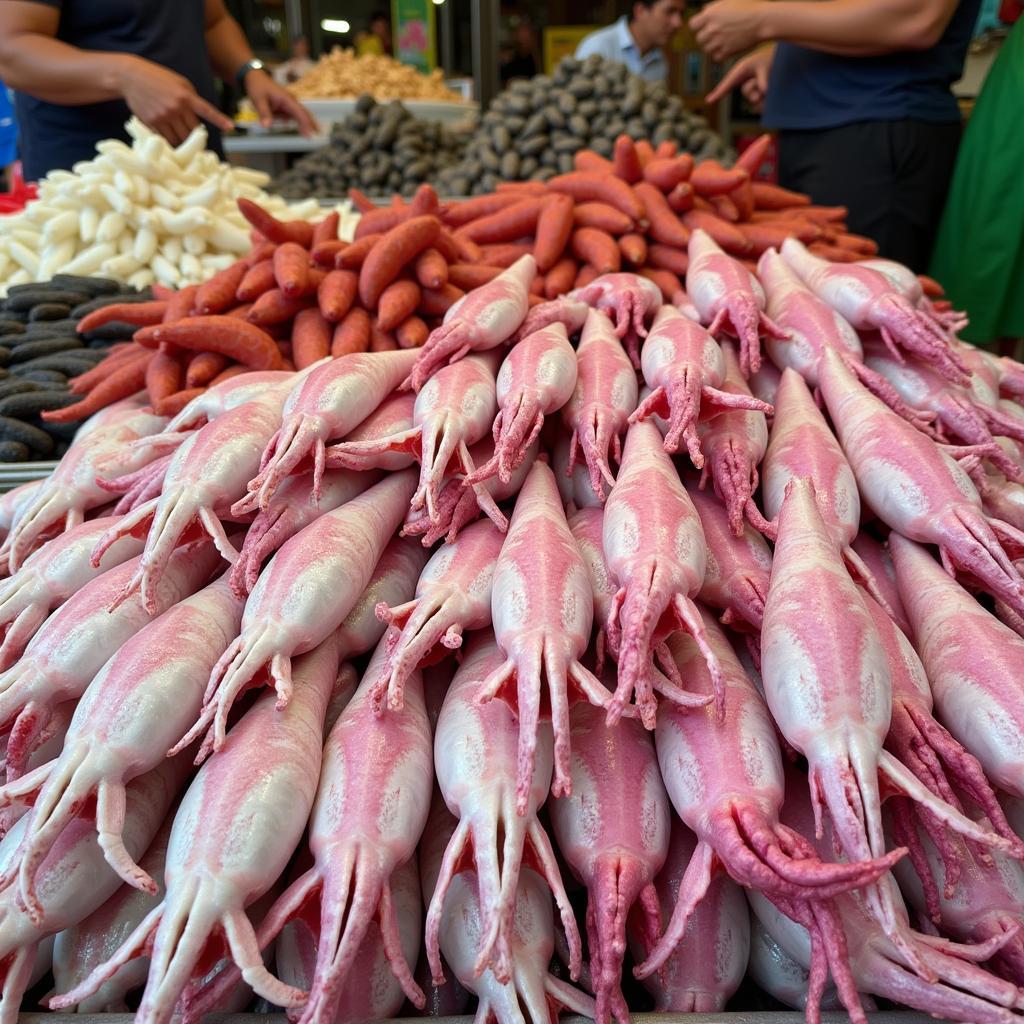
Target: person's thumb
x=208 y=112
x=737 y=74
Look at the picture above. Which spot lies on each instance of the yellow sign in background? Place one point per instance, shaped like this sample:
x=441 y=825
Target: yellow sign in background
x=561 y=41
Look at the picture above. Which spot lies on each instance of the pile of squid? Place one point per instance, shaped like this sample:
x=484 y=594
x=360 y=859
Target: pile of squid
x=332 y=688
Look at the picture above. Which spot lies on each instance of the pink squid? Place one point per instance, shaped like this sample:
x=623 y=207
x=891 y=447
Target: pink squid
x=875 y=556
x=917 y=489
x=369 y=813
x=803 y=447
x=604 y=397
x=961 y=419
x=738 y=568
x=905 y=281
x=139 y=486
x=324 y=405
x=686 y=369
x=985 y=901
x=13 y=500
x=233 y=835
x=935 y=757
x=774 y=971
x=453 y=594
x=536 y=379
x=656 y=552
x=372 y=992
x=475 y=759
x=614 y=832
x=207 y=473
x=135 y=709
x=78 y=950
x=74 y=880
x=302 y=596
x=729 y=298
x=542 y=610
x=393 y=416
x=575 y=487
x=724 y=776
x=629 y=300
x=735 y=442
x=828 y=683
x=869 y=301
x=708 y=965
x=61 y=660
x=51 y=575
x=453 y=410
x=458 y=505
x=972 y=661
x=290 y=510
x=813 y=326
x=531 y=993
x=481 y=320
x=71 y=490
x=956 y=988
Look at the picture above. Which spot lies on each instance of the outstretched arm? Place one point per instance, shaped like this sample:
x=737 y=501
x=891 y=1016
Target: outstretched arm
x=34 y=61
x=229 y=50
x=851 y=28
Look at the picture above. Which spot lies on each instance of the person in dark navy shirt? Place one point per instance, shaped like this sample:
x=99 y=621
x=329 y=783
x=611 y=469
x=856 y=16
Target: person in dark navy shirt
x=81 y=68
x=859 y=91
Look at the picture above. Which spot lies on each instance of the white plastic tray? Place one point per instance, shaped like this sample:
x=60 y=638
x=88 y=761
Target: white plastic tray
x=330 y=111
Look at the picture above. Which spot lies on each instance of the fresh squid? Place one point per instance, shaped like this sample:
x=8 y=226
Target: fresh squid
x=917 y=489
x=729 y=299
x=735 y=442
x=207 y=473
x=479 y=321
x=828 y=683
x=453 y=595
x=542 y=610
x=302 y=596
x=531 y=993
x=453 y=410
x=54 y=573
x=708 y=965
x=323 y=406
x=614 y=832
x=537 y=378
x=602 y=401
x=135 y=709
x=475 y=761
x=656 y=553
x=72 y=646
x=868 y=301
x=233 y=834
x=685 y=369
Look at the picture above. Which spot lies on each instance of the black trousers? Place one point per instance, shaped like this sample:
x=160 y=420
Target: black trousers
x=892 y=175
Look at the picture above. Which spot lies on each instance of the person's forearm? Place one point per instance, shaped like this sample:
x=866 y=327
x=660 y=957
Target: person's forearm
x=58 y=73
x=228 y=47
x=854 y=28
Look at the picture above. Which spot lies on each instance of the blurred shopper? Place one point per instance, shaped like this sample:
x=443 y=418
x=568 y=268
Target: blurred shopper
x=81 y=68
x=859 y=91
x=377 y=39
x=296 y=65
x=639 y=39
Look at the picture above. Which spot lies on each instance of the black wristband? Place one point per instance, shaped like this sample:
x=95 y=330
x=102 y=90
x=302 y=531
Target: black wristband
x=250 y=65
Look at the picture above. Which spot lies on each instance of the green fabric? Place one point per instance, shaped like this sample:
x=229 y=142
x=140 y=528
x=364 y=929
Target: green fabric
x=979 y=253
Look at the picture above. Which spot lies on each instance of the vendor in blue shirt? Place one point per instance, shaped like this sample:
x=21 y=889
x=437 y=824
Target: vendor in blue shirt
x=638 y=41
x=81 y=68
x=859 y=91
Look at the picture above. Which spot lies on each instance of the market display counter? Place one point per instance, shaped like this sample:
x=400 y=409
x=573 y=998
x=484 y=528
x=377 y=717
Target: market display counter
x=269 y=153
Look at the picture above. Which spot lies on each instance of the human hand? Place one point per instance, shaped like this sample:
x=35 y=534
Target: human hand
x=269 y=98
x=750 y=74
x=166 y=101
x=727 y=27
